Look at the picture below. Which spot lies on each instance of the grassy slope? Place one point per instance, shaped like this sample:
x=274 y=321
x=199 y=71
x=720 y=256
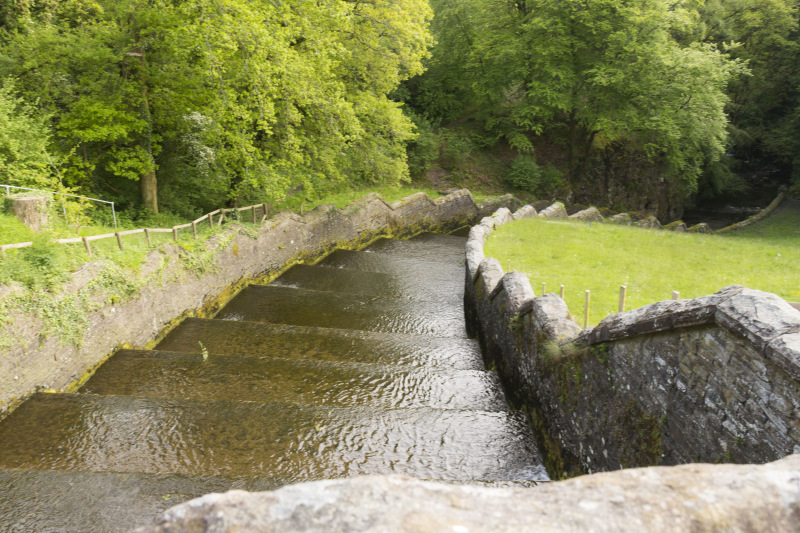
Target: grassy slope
x=601 y=257
x=20 y=266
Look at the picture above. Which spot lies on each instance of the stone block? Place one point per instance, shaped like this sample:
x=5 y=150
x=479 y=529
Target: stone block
x=491 y=273
x=526 y=211
x=477 y=234
x=502 y=216
x=694 y=497
x=551 y=316
x=758 y=316
x=623 y=219
x=474 y=256
x=678 y=225
x=649 y=222
x=784 y=351
x=518 y=291
x=31 y=210
x=700 y=228
x=587 y=215
x=556 y=210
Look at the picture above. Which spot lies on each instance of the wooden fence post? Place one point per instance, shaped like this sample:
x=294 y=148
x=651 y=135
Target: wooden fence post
x=194 y=229
x=147 y=236
x=119 y=241
x=88 y=248
x=254 y=214
x=211 y=220
x=586 y=309
x=623 y=292
x=174 y=233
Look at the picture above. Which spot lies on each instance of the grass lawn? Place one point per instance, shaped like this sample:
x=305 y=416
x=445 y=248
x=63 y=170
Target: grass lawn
x=601 y=257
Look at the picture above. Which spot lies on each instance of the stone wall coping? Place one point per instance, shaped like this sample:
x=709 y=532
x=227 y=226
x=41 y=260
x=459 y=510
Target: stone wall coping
x=767 y=321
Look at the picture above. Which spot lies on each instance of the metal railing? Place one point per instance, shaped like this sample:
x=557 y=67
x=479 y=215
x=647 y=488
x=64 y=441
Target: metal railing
x=113 y=210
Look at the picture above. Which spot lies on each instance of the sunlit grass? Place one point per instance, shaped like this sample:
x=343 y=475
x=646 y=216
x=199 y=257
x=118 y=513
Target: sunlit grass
x=652 y=264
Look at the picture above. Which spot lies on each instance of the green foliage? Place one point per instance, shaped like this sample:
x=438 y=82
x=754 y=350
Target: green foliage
x=220 y=100
x=24 y=142
x=526 y=175
x=42 y=266
x=604 y=73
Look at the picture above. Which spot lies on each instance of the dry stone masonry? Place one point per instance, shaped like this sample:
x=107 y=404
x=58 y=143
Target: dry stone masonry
x=713 y=379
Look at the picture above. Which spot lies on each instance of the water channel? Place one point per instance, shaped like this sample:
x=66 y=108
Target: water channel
x=357 y=365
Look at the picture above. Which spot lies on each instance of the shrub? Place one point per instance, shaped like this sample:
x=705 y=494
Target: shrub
x=525 y=174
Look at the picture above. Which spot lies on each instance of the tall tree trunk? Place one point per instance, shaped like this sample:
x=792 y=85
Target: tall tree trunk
x=149 y=186
x=147 y=180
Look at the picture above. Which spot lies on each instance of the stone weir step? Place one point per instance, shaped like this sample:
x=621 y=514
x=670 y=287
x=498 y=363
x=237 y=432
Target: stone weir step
x=263 y=340
x=154 y=374
x=431 y=272
x=424 y=247
x=352 y=281
x=106 y=502
x=302 y=307
x=82 y=432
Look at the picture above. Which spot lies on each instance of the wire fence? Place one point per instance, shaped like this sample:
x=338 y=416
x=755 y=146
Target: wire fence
x=256 y=209
x=63 y=194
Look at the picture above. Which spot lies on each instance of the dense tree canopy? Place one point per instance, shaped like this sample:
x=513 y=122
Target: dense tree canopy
x=199 y=99
x=192 y=103
x=628 y=88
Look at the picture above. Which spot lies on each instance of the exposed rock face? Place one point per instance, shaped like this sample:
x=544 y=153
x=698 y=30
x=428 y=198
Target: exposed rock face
x=31 y=210
x=696 y=497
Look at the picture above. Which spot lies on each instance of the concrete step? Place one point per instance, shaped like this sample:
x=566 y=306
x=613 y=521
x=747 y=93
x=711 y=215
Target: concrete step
x=352 y=281
x=82 y=432
x=103 y=502
x=263 y=340
x=153 y=374
x=301 y=307
x=425 y=247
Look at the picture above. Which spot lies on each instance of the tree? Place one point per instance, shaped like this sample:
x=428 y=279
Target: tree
x=25 y=158
x=249 y=98
x=605 y=73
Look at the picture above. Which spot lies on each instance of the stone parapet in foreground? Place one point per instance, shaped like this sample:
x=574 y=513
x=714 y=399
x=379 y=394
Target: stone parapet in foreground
x=695 y=497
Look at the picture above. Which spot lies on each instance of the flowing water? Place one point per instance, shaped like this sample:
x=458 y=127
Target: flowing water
x=357 y=365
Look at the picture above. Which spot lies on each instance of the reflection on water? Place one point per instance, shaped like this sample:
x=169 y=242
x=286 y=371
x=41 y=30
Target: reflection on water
x=357 y=365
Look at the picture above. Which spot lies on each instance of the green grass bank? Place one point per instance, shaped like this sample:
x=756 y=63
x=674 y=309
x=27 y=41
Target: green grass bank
x=652 y=264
